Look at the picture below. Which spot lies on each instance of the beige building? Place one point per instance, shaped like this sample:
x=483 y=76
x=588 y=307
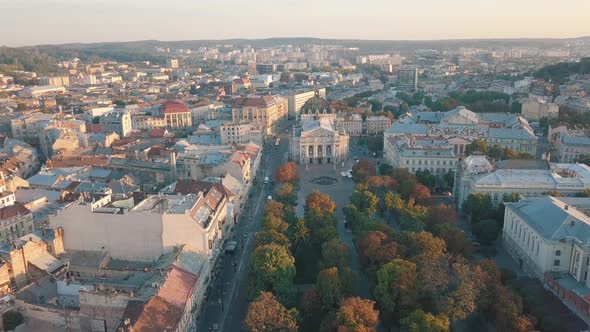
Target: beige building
x=178 y=115
x=139 y=122
x=420 y=153
x=534 y=110
x=55 y=80
x=377 y=124
x=351 y=123
x=316 y=139
x=240 y=133
x=266 y=112
x=147 y=230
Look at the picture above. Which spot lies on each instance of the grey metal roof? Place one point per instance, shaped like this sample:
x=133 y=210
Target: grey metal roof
x=548 y=216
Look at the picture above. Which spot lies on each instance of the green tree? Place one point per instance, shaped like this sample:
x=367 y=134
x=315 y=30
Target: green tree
x=420 y=321
x=333 y=283
x=486 y=230
x=271 y=236
x=275 y=223
x=396 y=287
x=96 y=120
x=272 y=268
x=193 y=89
x=335 y=254
x=266 y=314
x=356 y=314
x=365 y=201
x=477 y=145
x=479 y=206
x=426 y=178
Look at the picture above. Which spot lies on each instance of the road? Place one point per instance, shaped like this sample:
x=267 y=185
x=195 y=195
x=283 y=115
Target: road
x=227 y=302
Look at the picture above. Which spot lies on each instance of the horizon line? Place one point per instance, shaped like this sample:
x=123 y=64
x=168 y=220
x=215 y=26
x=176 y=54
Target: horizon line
x=318 y=38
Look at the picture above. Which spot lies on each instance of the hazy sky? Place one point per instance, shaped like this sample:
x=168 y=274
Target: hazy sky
x=31 y=22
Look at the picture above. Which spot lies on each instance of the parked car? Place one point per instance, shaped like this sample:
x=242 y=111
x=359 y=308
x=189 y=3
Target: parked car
x=269 y=198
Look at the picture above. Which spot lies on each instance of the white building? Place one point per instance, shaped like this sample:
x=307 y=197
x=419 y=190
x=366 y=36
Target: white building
x=550 y=239
x=116 y=122
x=569 y=144
x=420 y=153
x=240 y=133
x=145 y=231
x=461 y=126
x=475 y=174
x=316 y=138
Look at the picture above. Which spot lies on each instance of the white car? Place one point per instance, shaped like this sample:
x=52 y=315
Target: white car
x=266 y=180
x=349 y=174
x=269 y=198
x=344 y=174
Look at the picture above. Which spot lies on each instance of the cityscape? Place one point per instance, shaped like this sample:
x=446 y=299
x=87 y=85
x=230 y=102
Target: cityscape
x=293 y=183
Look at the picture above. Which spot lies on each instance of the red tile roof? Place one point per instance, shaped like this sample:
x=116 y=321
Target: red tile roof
x=11 y=211
x=178 y=287
x=158 y=315
x=176 y=107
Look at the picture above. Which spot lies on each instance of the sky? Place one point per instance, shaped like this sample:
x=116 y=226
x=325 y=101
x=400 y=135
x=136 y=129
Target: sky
x=33 y=22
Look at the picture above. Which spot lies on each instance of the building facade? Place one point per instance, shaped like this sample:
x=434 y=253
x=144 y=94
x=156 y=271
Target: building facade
x=266 y=112
x=116 y=122
x=420 y=153
x=178 y=115
x=316 y=139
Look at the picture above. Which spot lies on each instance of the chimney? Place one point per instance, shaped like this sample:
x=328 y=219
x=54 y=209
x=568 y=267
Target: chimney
x=567 y=207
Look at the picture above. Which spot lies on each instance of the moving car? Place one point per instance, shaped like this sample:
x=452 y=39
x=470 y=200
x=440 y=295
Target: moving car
x=266 y=180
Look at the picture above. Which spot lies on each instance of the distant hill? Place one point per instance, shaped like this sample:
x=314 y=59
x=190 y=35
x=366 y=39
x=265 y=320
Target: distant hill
x=559 y=72
x=41 y=58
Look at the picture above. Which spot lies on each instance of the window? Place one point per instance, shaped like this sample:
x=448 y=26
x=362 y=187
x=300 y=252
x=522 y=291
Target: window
x=557 y=252
x=556 y=262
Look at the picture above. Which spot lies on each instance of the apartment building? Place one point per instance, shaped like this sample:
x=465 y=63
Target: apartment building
x=266 y=112
x=116 y=122
x=420 y=153
x=377 y=124
x=569 y=145
x=535 y=110
x=240 y=133
x=145 y=231
x=177 y=115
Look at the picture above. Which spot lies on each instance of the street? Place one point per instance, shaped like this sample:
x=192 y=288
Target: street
x=227 y=301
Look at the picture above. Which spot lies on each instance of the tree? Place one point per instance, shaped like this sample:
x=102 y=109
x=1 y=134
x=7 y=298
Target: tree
x=266 y=314
x=486 y=230
x=396 y=287
x=420 y=193
x=479 y=206
x=298 y=234
x=272 y=268
x=460 y=299
x=426 y=178
x=271 y=236
x=286 y=194
x=375 y=248
x=380 y=184
x=319 y=203
x=96 y=120
x=310 y=308
x=420 y=321
x=457 y=241
x=329 y=287
x=287 y=173
x=335 y=254
x=362 y=170
x=385 y=169
x=193 y=89
x=357 y=315
x=477 y=145
x=21 y=107
x=441 y=214
x=424 y=245
x=276 y=224
x=365 y=201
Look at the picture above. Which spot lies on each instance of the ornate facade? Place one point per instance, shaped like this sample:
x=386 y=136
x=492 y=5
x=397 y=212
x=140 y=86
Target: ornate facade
x=316 y=138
